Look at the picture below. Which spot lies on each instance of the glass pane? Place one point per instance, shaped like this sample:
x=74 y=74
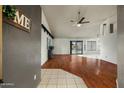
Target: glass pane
x=76 y=47
x=79 y=47
x=91 y=45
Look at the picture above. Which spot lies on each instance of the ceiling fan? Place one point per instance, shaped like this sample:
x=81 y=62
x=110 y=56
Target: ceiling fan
x=79 y=21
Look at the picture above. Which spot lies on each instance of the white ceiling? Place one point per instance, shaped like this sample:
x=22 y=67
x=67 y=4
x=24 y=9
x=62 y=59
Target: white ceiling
x=59 y=16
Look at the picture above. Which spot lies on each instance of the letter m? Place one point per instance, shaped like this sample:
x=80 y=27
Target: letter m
x=19 y=19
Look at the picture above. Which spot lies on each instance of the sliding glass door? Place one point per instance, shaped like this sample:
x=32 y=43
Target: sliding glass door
x=76 y=47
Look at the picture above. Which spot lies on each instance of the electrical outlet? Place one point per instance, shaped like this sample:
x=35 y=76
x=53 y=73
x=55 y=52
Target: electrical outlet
x=35 y=77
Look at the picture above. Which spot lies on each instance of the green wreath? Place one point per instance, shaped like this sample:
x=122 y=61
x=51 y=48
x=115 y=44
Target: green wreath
x=9 y=11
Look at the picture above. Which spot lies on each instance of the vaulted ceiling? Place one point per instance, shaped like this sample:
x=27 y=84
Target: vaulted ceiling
x=59 y=16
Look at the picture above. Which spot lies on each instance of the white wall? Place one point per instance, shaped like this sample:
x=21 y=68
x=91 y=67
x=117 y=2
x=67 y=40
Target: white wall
x=44 y=51
x=109 y=41
x=62 y=46
x=44 y=36
x=44 y=21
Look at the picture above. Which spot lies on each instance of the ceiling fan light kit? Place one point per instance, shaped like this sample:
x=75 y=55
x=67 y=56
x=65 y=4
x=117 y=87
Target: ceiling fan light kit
x=78 y=25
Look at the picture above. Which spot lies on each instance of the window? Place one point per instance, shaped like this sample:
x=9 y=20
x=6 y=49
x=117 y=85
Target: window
x=91 y=45
x=76 y=47
x=111 y=28
x=104 y=29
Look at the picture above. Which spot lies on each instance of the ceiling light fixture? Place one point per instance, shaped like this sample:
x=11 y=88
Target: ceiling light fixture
x=78 y=25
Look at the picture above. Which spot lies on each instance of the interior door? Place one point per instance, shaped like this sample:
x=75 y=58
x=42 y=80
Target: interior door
x=76 y=47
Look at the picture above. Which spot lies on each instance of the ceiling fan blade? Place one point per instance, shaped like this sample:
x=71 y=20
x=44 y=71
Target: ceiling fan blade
x=85 y=22
x=81 y=19
x=74 y=24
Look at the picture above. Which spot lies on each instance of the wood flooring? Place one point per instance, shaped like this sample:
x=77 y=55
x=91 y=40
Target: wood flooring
x=95 y=73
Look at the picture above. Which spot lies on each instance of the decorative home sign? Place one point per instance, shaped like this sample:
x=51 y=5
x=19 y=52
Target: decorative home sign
x=20 y=21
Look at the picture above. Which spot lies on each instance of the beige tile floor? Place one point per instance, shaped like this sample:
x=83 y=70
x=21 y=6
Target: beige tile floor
x=57 y=78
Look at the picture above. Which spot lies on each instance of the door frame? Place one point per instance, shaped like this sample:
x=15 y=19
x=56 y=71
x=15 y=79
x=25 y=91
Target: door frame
x=76 y=43
x=1 y=64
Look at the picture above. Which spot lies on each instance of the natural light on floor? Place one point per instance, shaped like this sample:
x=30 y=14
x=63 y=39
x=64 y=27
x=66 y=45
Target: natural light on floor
x=97 y=56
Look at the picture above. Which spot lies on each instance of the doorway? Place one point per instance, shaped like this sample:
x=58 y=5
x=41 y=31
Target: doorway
x=76 y=47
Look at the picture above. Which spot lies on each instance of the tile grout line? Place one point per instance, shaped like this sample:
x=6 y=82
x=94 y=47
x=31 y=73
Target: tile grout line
x=75 y=83
x=66 y=81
